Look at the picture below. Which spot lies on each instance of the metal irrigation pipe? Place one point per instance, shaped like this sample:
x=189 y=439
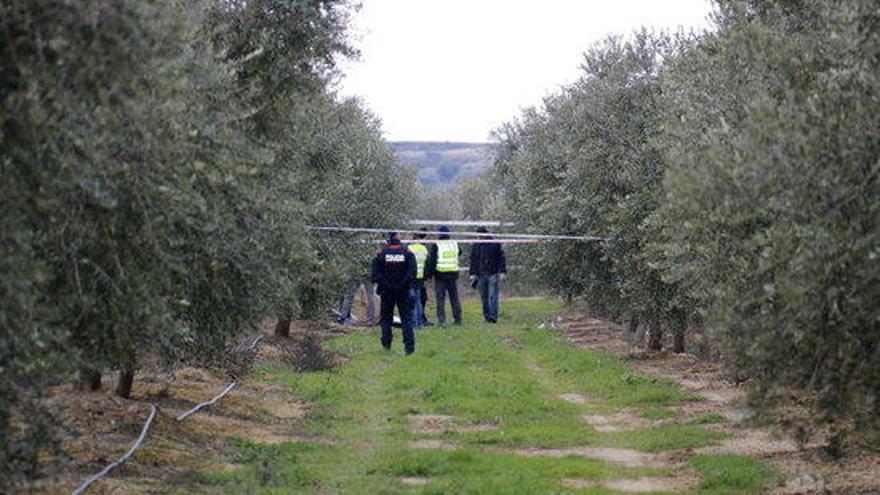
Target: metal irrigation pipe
x=475 y=234
x=122 y=459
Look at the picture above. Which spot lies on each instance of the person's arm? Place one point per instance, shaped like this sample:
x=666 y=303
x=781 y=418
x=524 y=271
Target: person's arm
x=502 y=262
x=376 y=273
x=474 y=266
x=431 y=262
x=374 y=270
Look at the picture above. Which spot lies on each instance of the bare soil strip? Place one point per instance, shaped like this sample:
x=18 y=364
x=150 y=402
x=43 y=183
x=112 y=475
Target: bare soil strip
x=255 y=410
x=685 y=481
x=804 y=469
x=573 y=398
x=625 y=457
x=617 y=422
x=438 y=423
x=431 y=444
x=413 y=480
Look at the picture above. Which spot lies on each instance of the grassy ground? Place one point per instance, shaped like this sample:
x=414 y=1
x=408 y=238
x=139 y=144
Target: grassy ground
x=494 y=390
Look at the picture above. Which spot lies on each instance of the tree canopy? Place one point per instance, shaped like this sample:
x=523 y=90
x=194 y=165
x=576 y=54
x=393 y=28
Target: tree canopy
x=160 y=164
x=735 y=172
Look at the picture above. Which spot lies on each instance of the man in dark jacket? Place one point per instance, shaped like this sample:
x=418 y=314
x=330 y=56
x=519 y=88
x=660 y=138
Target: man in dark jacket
x=393 y=270
x=488 y=268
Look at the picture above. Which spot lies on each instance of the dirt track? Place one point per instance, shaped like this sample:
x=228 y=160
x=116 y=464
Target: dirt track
x=804 y=469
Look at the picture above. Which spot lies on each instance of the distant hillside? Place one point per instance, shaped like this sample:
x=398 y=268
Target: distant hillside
x=444 y=162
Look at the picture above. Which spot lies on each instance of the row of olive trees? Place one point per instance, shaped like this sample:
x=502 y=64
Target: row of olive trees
x=736 y=173
x=159 y=164
x=468 y=198
x=588 y=162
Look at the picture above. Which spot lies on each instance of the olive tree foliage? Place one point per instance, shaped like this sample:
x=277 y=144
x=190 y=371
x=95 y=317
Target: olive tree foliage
x=437 y=202
x=351 y=179
x=28 y=348
x=326 y=162
x=735 y=172
x=528 y=171
x=97 y=133
x=586 y=164
x=770 y=218
x=476 y=197
x=468 y=198
x=159 y=165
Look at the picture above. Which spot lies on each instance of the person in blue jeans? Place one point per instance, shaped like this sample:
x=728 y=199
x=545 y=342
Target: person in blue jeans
x=420 y=251
x=488 y=268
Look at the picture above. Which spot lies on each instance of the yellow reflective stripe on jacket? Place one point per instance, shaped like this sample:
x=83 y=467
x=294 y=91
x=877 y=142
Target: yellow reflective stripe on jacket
x=447 y=256
x=421 y=254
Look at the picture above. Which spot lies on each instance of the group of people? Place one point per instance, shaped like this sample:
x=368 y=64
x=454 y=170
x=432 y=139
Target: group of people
x=400 y=272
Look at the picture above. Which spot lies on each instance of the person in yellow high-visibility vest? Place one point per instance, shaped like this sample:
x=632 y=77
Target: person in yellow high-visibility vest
x=428 y=274
x=443 y=264
x=420 y=251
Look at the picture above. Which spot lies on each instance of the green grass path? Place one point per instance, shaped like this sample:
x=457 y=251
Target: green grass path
x=478 y=394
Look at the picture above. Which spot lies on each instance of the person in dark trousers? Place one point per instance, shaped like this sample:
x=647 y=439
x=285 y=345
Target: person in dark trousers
x=443 y=264
x=393 y=270
x=488 y=268
x=424 y=297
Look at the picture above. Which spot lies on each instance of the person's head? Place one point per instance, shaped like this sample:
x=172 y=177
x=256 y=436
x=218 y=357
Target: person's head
x=420 y=235
x=482 y=230
x=443 y=229
x=393 y=236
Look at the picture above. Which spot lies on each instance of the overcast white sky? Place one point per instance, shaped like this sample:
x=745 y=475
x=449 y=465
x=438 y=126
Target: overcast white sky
x=453 y=70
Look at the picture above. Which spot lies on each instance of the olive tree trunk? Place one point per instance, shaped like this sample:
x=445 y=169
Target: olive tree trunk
x=679 y=325
x=282 y=328
x=678 y=339
x=125 y=381
x=632 y=327
x=655 y=337
x=89 y=379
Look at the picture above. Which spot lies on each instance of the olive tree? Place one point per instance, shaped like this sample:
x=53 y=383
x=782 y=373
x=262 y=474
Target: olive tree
x=160 y=163
x=770 y=214
x=587 y=163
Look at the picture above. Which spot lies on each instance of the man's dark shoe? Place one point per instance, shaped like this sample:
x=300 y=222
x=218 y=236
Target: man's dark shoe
x=386 y=347
x=427 y=323
x=407 y=353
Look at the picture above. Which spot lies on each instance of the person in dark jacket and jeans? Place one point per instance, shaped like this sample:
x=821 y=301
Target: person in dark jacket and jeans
x=393 y=270
x=488 y=268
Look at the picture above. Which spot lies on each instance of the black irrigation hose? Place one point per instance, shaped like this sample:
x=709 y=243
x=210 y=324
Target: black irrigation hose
x=145 y=429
